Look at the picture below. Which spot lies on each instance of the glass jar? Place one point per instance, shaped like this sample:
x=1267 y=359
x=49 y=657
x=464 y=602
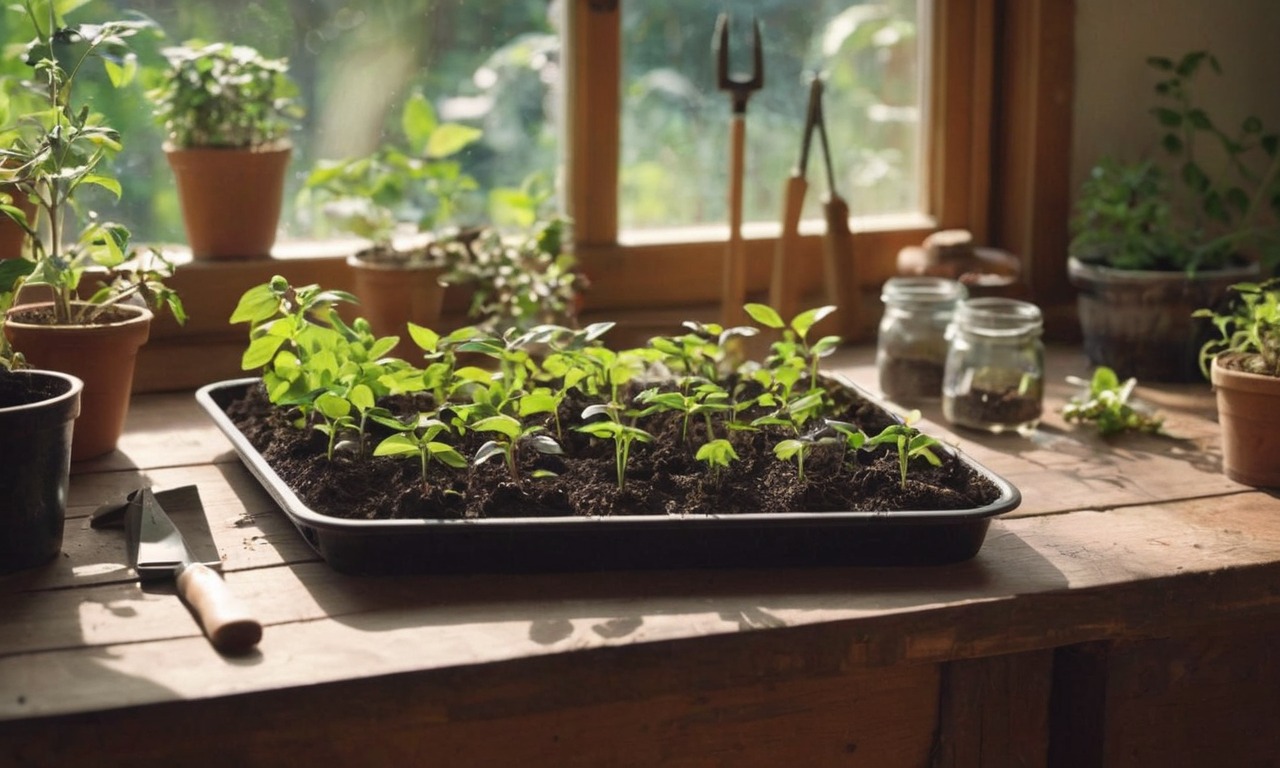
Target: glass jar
x=994 y=377
x=911 y=347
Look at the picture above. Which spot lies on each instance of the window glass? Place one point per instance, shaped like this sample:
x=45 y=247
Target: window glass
x=675 y=147
x=494 y=66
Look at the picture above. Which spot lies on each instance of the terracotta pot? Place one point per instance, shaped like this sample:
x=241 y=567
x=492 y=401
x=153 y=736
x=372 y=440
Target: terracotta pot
x=12 y=236
x=37 y=413
x=393 y=294
x=231 y=199
x=1249 y=414
x=1139 y=322
x=103 y=356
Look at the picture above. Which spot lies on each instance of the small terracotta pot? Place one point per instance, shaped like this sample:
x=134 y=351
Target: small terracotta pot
x=231 y=199
x=393 y=295
x=103 y=356
x=1249 y=414
x=37 y=413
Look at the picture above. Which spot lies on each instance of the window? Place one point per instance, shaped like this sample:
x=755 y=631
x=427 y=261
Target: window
x=490 y=65
x=674 y=119
x=973 y=106
x=995 y=116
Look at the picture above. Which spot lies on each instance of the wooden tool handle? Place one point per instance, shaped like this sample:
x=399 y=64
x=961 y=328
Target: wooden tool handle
x=840 y=268
x=225 y=619
x=734 y=294
x=784 y=288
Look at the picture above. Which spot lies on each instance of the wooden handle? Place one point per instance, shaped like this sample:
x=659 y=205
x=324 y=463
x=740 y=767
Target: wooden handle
x=840 y=268
x=784 y=289
x=734 y=294
x=223 y=616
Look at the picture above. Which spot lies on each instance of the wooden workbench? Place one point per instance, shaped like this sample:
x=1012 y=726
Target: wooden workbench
x=1123 y=615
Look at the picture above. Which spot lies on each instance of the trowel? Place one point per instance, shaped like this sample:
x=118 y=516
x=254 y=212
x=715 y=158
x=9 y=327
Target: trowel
x=158 y=552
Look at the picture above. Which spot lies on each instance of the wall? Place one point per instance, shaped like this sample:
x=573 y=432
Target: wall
x=1113 y=87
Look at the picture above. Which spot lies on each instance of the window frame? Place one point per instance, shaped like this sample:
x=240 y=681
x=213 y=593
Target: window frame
x=998 y=114
x=1001 y=75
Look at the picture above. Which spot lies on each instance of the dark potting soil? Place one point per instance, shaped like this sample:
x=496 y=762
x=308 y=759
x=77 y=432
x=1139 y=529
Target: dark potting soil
x=16 y=388
x=663 y=477
x=985 y=406
x=907 y=380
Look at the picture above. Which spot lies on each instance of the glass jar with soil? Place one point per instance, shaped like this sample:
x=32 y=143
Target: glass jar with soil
x=994 y=373
x=911 y=348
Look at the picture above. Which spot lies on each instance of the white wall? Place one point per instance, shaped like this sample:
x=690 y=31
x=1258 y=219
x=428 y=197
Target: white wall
x=1113 y=88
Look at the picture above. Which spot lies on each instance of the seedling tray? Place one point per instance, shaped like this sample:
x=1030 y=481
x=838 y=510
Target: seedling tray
x=621 y=542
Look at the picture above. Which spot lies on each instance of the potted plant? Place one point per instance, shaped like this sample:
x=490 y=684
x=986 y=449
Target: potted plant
x=59 y=151
x=37 y=414
x=517 y=282
x=1156 y=239
x=1244 y=366
x=672 y=454
x=227 y=111
x=398 y=199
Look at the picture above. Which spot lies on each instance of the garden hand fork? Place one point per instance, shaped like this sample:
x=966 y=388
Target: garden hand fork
x=740 y=87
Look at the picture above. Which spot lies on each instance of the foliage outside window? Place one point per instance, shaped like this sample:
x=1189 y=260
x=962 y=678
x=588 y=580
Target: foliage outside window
x=497 y=68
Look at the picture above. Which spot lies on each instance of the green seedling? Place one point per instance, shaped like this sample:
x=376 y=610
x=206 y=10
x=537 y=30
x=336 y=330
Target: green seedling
x=794 y=344
x=1250 y=329
x=851 y=437
x=794 y=448
x=910 y=443
x=623 y=435
x=509 y=433
x=1106 y=405
x=717 y=454
x=422 y=442
x=706 y=399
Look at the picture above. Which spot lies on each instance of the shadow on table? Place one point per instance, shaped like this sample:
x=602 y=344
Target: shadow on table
x=618 y=604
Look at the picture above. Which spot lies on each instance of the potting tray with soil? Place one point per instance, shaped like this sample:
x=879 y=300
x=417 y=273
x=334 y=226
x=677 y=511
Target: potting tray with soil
x=566 y=512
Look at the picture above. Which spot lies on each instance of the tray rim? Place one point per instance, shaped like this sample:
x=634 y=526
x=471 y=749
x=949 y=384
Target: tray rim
x=1009 y=499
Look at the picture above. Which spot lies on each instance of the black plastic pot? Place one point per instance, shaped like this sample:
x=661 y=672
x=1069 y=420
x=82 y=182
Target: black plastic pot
x=37 y=413
x=626 y=542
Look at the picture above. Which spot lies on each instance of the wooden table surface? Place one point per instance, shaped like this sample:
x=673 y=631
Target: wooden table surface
x=1121 y=550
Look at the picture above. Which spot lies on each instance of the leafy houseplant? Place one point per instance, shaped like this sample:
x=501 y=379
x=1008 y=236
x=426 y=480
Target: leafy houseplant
x=486 y=430
x=1156 y=239
x=517 y=284
x=1244 y=366
x=227 y=111
x=59 y=150
x=418 y=186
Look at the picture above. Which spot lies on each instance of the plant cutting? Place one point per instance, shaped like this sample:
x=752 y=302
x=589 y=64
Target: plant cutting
x=1244 y=365
x=1155 y=239
x=1106 y=404
x=60 y=150
x=399 y=198
x=592 y=448
x=227 y=112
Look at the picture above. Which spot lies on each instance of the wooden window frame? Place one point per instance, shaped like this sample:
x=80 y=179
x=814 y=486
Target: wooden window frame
x=1001 y=84
x=999 y=100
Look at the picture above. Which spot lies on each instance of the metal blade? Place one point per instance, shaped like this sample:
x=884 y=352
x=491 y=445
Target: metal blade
x=156 y=546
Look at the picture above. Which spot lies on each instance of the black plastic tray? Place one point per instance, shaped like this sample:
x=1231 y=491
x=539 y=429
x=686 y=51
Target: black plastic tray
x=622 y=542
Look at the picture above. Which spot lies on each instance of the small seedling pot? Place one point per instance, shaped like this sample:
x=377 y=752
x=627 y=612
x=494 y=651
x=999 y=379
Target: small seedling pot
x=1249 y=414
x=37 y=413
